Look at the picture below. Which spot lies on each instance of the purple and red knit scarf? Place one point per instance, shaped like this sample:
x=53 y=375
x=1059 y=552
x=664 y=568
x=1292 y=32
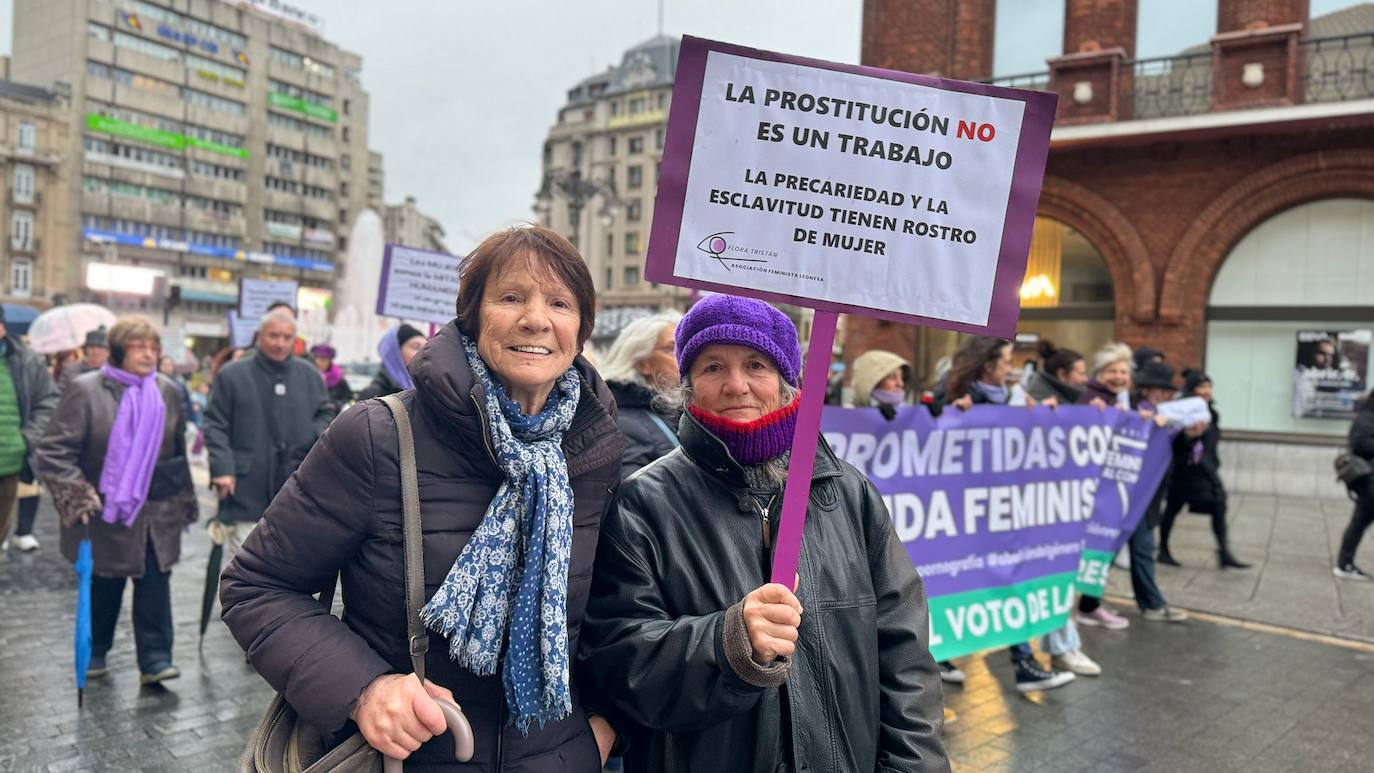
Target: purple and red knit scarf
x=756 y=441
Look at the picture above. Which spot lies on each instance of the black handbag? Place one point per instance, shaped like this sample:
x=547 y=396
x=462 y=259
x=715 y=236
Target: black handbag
x=283 y=743
x=1351 y=469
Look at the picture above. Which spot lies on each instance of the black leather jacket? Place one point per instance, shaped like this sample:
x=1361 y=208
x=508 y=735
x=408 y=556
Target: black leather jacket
x=683 y=544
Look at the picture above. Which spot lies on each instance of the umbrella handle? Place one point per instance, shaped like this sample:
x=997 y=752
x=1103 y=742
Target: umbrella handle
x=463 y=742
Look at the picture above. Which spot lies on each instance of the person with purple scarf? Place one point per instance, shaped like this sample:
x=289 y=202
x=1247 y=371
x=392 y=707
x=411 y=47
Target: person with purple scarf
x=335 y=385
x=704 y=663
x=397 y=348
x=114 y=457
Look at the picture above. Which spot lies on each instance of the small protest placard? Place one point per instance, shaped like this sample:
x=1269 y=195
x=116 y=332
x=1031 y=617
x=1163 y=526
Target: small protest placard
x=418 y=284
x=256 y=295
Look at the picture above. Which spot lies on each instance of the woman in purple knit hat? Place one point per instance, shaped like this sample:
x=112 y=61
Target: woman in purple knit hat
x=705 y=665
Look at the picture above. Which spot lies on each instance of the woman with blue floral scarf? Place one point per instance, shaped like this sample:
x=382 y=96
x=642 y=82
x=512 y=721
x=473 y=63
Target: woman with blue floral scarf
x=518 y=456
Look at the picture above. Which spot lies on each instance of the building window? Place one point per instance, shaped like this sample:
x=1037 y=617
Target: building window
x=345 y=134
x=634 y=211
x=658 y=138
x=632 y=243
x=636 y=145
x=631 y=276
x=28 y=136
x=97 y=31
x=610 y=146
x=21 y=277
x=663 y=100
x=346 y=161
x=23 y=183
x=610 y=274
x=577 y=154
x=21 y=230
x=636 y=105
x=348 y=107
x=615 y=109
x=634 y=177
x=610 y=245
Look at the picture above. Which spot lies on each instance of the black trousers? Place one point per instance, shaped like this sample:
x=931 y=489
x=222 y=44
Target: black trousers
x=1166 y=525
x=1359 y=522
x=152 y=614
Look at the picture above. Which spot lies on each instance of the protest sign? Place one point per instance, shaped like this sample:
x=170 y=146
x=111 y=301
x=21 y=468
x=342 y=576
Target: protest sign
x=993 y=506
x=241 y=329
x=1136 y=463
x=846 y=189
x=418 y=284
x=1185 y=412
x=256 y=295
x=1331 y=373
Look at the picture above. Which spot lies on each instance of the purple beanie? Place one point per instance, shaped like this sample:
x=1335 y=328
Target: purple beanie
x=729 y=319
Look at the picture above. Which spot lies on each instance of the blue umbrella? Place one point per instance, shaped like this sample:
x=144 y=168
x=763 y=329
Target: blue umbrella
x=18 y=317
x=82 y=640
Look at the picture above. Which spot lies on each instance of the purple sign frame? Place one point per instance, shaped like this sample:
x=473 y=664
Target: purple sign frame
x=1027 y=176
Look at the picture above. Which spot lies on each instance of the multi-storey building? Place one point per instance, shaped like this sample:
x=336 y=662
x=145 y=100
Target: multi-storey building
x=212 y=140
x=405 y=224
x=601 y=172
x=34 y=128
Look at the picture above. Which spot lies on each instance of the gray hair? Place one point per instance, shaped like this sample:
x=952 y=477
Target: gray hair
x=277 y=315
x=1110 y=355
x=635 y=344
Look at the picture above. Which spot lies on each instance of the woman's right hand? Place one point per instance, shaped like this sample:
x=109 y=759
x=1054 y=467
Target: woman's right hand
x=964 y=403
x=396 y=713
x=772 y=614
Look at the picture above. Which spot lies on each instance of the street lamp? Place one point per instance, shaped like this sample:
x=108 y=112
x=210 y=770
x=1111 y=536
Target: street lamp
x=579 y=192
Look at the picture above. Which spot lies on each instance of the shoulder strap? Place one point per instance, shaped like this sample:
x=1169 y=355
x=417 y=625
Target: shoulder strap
x=416 y=635
x=663 y=427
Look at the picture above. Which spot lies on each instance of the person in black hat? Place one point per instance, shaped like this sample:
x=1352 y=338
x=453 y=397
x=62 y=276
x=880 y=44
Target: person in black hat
x=1155 y=384
x=1195 y=479
x=396 y=348
x=95 y=352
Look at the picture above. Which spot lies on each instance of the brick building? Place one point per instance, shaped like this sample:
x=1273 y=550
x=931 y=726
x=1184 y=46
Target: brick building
x=1210 y=203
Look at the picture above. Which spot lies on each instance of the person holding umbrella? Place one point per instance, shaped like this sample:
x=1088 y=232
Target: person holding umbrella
x=27 y=399
x=114 y=458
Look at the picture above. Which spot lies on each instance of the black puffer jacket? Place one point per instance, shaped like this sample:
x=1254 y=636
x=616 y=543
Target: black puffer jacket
x=1362 y=432
x=683 y=545
x=342 y=512
x=382 y=385
x=647 y=434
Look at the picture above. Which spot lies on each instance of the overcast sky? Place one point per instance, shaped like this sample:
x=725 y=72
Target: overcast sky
x=463 y=93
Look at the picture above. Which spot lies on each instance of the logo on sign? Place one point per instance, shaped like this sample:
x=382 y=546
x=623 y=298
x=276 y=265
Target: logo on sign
x=716 y=246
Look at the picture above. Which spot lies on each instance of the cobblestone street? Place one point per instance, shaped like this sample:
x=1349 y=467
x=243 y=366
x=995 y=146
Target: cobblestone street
x=1201 y=696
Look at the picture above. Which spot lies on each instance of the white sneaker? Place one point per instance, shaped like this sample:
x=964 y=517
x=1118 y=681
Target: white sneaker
x=1077 y=662
x=26 y=543
x=1164 y=615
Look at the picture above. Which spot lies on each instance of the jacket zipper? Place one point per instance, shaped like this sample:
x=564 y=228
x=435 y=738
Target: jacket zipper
x=486 y=430
x=767 y=530
x=501 y=739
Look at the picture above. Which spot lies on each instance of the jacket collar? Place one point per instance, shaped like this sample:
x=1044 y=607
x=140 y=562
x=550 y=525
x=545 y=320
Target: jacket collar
x=630 y=395
x=710 y=454
x=445 y=384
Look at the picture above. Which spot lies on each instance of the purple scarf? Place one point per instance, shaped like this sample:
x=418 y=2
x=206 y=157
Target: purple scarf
x=135 y=441
x=757 y=441
x=332 y=375
x=390 y=350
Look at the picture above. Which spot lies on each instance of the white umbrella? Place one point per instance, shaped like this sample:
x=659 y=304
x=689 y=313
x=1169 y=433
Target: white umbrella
x=62 y=328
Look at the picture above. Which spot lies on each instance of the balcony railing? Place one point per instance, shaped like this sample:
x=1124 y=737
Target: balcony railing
x=1169 y=85
x=1338 y=68
x=1331 y=69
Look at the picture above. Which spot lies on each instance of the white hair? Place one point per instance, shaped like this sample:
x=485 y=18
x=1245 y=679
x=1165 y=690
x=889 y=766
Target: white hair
x=635 y=344
x=277 y=315
x=1110 y=355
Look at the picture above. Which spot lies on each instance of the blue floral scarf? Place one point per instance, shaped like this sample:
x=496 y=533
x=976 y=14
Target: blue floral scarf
x=513 y=574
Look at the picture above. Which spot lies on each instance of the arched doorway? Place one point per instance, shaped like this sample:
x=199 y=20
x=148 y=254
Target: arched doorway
x=1305 y=273
x=1067 y=293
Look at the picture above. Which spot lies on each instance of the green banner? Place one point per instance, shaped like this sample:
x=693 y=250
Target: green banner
x=1092 y=572
x=106 y=125
x=215 y=147
x=303 y=107
x=989 y=618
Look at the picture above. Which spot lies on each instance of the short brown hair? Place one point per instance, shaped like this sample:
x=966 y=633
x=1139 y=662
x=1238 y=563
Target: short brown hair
x=125 y=332
x=545 y=249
